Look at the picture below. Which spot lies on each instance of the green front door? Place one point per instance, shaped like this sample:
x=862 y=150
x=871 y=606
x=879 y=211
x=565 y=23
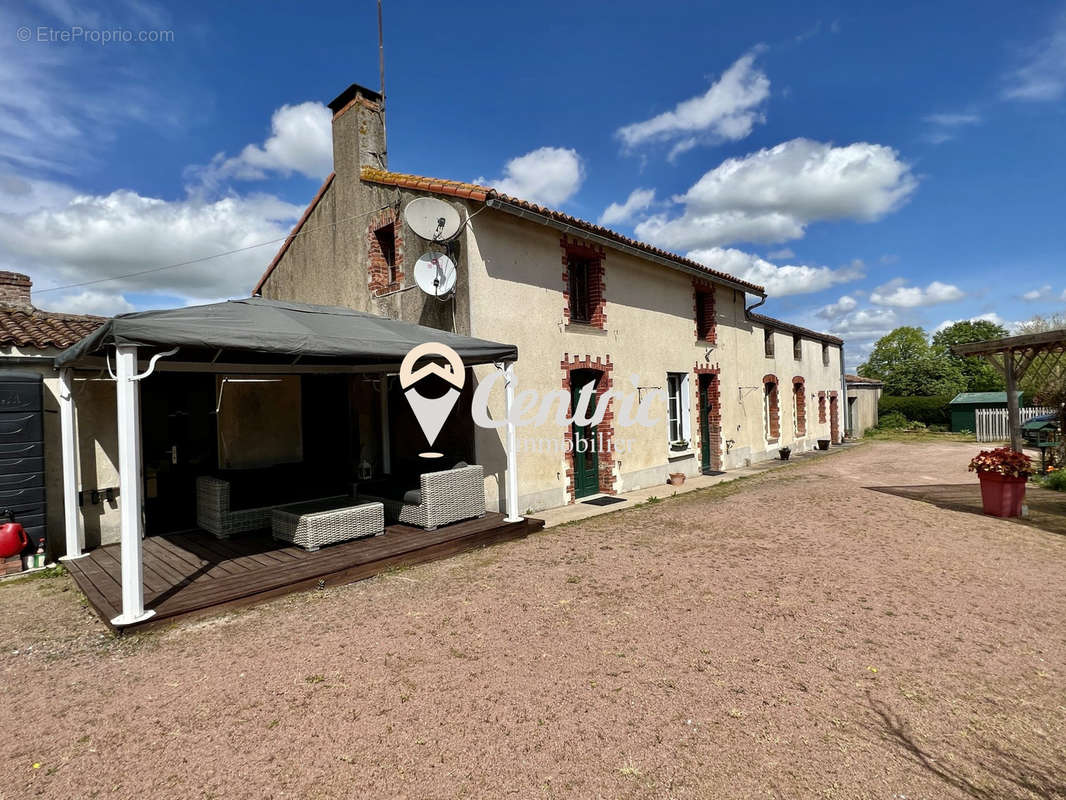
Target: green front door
x=705 y=422
x=586 y=460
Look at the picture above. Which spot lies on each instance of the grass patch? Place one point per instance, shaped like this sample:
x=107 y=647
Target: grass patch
x=48 y=573
x=918 y=435
x=1055 y=480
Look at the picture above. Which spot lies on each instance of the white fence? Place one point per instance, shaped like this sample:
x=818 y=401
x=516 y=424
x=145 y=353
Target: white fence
x=993 y=425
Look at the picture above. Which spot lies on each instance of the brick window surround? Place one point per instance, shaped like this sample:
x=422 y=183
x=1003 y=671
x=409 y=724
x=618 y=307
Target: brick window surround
x=595 y=256
x=821 y=407
x=799 y=397
x=770 y=388
x=703 y=309
x=604 y=431
x=714 y=415
x=834 y=418
x=379 y=279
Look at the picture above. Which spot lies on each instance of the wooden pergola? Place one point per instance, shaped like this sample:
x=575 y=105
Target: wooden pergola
x=1038 y=356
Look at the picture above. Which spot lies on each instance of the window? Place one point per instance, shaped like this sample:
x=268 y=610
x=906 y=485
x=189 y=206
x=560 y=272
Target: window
x=768 y=342
x=578 y=270
x=797 y=347
x=705 y=331
x=677 y=407
x=825 y=354
x=386 y=239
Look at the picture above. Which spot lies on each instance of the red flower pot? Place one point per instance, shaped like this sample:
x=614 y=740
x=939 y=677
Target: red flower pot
x=1001 y=496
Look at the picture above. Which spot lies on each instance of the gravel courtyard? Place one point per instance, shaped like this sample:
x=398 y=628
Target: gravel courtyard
x=791 y=635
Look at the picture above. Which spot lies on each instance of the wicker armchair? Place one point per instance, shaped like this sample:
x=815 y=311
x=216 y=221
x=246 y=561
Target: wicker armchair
x=443 y=497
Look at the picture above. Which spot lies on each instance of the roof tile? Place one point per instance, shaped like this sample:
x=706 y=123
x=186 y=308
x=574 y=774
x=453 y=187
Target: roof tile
x=34 y=328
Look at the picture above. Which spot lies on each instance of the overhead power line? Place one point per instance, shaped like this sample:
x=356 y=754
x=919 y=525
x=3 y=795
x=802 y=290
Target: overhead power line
x=150 y=270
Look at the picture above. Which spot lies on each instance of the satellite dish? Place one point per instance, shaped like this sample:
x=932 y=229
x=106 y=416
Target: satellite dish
x=432 y=219
x=435 y=274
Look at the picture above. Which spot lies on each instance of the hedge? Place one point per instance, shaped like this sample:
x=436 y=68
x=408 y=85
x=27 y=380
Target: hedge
x=931 y=410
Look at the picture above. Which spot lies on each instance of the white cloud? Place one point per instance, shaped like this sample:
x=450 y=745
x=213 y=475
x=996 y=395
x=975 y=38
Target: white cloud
x=778 y=280
x=548 y=175
x=991 y=316
x=89 y=301
x=47 y=119
x=97 y=236
x=896 y=293
x=784 y=252
x=618 y=213
x=950 y=120
x=866 y=324
x=1041 y=74
x=1033 y=295
x=773 y=194
x=301 y=141
x=725 y=112
x=838 y=309
x=944 y=126
x=21 y=195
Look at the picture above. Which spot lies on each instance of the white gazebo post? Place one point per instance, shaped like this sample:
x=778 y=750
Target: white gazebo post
x=129 y=483
x=512 y=446
x=72 y=519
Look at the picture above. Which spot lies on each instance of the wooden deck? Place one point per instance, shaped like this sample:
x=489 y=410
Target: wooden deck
x=194 y=573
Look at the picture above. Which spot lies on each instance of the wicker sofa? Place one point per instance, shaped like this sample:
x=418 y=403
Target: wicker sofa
x=215 y=512
x=440 y=498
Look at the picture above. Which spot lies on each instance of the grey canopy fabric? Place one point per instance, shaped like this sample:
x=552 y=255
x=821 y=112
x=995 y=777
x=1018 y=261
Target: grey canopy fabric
x=278 y=331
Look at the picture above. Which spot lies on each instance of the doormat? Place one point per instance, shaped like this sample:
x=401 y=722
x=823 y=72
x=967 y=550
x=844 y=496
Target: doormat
x=714 y=472
x=603 y=501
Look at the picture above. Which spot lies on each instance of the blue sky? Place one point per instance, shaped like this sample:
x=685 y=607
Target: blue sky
x=901 y=165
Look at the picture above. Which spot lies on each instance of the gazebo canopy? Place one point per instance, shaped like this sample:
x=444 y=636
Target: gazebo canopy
x=276 y=332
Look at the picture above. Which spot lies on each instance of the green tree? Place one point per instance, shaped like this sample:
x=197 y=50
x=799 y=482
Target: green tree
x=895 y=348
x=908 y=366
x=980 y=376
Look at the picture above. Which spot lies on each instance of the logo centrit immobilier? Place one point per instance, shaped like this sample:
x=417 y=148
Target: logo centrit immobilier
x=529 y=408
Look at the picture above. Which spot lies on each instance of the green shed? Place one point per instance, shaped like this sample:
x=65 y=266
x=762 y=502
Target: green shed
x=964 y=407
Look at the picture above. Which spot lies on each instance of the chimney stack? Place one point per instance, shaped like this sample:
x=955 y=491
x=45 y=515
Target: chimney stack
x=358 y=131
x=15 y=291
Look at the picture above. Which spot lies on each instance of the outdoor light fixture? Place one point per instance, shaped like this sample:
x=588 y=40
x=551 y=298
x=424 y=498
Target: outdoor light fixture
x=366 y=471
x=222 y=388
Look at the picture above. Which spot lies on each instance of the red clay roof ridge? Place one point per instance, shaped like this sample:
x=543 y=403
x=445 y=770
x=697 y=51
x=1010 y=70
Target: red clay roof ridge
x=480 y=193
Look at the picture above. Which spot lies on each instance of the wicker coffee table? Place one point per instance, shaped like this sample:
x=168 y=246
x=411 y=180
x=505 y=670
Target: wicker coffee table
x=317 y=522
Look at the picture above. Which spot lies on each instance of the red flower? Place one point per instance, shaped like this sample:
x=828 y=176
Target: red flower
x=1003 y=461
